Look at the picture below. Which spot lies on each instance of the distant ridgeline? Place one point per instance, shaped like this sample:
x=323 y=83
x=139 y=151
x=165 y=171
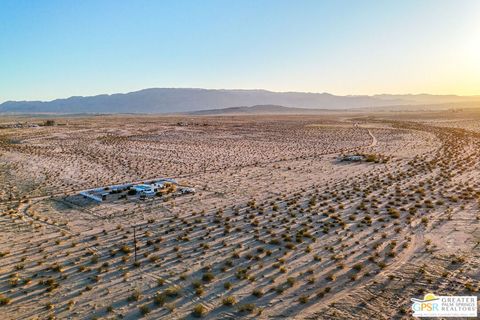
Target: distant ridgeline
x=171 y=100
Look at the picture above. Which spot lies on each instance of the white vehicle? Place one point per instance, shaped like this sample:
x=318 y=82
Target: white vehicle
x=187 y=190
x=144 y=188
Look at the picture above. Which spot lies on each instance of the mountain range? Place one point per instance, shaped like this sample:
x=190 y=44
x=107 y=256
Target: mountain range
x=189 y=100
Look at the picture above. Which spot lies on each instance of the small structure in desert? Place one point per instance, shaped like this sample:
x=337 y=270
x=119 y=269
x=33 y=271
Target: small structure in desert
x=352 y=158
x=151 y=188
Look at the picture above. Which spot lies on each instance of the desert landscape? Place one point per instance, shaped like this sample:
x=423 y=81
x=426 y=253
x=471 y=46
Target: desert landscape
x=271 y=160
x=339 y=215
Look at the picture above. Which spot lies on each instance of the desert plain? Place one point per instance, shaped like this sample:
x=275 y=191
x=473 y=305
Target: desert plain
x=278 y=228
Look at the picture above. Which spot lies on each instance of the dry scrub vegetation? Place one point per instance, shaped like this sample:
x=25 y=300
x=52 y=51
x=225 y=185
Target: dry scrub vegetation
x=277 y=228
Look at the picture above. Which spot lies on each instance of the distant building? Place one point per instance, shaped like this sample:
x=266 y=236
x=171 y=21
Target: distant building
x=352 y=157
x=143 y=190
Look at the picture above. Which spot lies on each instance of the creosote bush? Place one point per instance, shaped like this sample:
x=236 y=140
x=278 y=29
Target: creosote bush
x=229 y=301
x=4 y=300
x=135 y=296
x=249 y=307
x=199 y=310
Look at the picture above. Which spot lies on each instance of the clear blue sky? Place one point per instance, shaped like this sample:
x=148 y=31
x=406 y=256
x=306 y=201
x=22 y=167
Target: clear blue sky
x=52 y=49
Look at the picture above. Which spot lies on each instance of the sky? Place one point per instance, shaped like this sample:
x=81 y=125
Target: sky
x=57 y=49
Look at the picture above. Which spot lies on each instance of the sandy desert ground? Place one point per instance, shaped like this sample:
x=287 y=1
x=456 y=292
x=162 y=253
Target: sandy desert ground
x=278 y=228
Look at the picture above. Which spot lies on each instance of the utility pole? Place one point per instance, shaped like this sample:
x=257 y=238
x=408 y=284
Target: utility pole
x=135 y=241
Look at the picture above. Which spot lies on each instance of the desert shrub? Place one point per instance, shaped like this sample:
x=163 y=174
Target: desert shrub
x=125 y=249
x=153 y=258
x=249 y=307
x=257 y=293
x=457 y=259
x=144 y=309
x=199 y=310
x=241 y=274
x=229 y=301
x=357 y=267
x=13 y=282
x=51 y=284
x=331 y=277
x=196 y=284
x=4 y=300
x=470 y=287
x=173 y=291
x=291 y=281
x=159 y=299
x=394 y=213
x=279 y=289
x=135 y=296
x=19 y=267
x=207 y=277
x=275 y=241
x=56 y=268
x=199 y=291
x=303 y=299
